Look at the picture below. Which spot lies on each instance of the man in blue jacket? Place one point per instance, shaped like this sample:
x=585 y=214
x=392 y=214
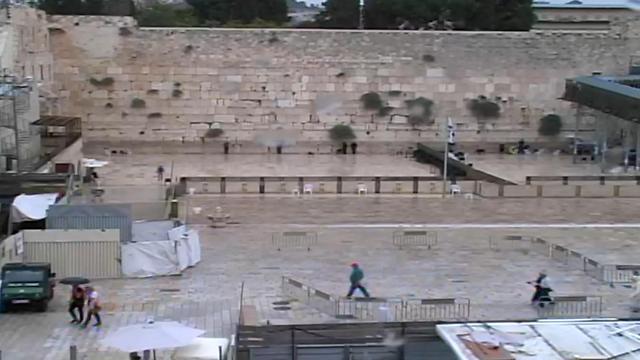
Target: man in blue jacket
x=356 y=278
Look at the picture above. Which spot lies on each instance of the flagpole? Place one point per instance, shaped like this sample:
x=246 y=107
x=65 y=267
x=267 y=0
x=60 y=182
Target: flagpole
x=446 y=159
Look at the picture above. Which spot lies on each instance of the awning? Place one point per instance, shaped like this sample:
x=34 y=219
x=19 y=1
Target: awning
x=31 y=207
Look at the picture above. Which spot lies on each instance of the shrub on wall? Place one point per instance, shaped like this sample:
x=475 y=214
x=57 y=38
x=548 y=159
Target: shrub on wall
x=104 y=82
x=340 y=133
x=138 y=103
x=550 y=125
x=214 y=133
x=176 y=93
x=371 y=101
x=483 y=109
x=420 y=111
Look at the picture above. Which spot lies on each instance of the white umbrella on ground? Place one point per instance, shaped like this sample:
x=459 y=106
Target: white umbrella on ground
x=151 y=336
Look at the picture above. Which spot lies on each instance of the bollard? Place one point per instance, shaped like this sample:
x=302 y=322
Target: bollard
x=73 y=352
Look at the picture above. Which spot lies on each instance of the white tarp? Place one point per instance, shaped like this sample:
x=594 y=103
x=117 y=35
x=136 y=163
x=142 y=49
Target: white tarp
x=31 y=207
x=161 y=258
x=188 y=247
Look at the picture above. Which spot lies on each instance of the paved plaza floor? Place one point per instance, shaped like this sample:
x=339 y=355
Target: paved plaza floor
x=349 y=228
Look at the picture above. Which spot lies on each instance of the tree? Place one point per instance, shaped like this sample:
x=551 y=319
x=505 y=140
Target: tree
x=165 y=15
x=340 y=133
x=550 y=125
x=340 y=14
x=507 y=15
x=87 y=7
x=220 y=12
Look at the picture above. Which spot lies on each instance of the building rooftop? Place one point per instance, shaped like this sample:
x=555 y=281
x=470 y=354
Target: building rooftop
x=588 y=4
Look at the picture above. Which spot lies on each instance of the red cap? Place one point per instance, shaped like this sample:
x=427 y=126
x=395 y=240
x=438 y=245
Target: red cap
x=355 y=264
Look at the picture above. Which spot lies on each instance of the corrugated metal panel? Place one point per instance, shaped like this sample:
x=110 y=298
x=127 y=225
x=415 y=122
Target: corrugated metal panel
x=104 y=216
x=90 y=259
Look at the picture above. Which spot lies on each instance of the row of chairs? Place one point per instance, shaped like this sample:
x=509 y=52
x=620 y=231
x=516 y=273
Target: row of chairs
x=361 y=189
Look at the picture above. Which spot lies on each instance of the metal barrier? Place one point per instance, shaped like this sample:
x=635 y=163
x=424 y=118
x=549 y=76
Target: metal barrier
x=294 y=239
x=572 y=307
x=510 y=242
x=378 y=309
x=541 y=246
x=559 y=253
x=315 y=298
x=415 y=239
x=437 y=309
x=618 y=273
x=370 y=309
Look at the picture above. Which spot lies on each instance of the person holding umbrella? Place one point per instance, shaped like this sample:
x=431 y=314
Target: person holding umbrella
x=77 y=298
x=77 y=303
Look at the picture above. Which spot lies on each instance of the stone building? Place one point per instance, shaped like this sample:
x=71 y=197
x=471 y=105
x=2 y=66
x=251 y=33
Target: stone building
x=579 y=15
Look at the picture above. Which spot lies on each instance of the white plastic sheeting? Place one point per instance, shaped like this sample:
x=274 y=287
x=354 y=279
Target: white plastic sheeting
x=179 y=251
x=31 y=207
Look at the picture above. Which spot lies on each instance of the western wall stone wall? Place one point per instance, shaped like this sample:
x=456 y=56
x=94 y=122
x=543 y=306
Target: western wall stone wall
x=309 y=80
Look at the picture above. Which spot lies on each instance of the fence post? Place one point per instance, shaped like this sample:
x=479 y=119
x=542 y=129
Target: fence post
x=339 y=185
x=528 y=180
x=73 y=352
x=377 y=185
x=565 y=180
x=415 y=184
x=261 y=185
x=223 y=185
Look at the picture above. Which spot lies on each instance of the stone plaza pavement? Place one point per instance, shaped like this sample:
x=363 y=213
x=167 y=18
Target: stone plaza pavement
x=349 y=228
x=207 y=296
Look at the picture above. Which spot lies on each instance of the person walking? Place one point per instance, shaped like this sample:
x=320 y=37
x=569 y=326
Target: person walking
x=93 y=302
x=542 y=293
x=160 y=172
x=77 y=303
x=356 y=280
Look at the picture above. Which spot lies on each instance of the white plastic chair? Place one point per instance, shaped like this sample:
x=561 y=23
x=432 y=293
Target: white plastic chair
x=455 y=189
x=307 y=189
x=362 y=189
x=295 y=192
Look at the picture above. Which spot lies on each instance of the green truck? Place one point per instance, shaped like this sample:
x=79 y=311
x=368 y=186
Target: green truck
x=29 y=284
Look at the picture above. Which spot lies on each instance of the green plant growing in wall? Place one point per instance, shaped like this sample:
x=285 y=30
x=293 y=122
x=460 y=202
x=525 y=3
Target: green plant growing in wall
x=341 y=132
x=214 y=133
x=137 y=103
x=104 y=82
x=484 y=109
x=176 y=93
x=371 y=101
x=385 y=111
x=550 y=125
x=420 y=111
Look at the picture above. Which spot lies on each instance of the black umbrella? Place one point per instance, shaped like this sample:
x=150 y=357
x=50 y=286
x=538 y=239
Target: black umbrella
x=74 y=280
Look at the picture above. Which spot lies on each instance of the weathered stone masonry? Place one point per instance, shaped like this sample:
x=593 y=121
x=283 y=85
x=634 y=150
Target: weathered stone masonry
x=248 y=80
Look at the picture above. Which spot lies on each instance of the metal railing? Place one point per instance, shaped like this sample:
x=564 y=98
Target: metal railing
x=378 y=309
x=415 y=239
x=585 y=178
x=572 y=307
x=608 y=273
x=437 y=309
x=294 y=239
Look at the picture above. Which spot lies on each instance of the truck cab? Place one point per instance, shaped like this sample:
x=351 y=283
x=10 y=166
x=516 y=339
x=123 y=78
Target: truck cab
x=29 y=284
